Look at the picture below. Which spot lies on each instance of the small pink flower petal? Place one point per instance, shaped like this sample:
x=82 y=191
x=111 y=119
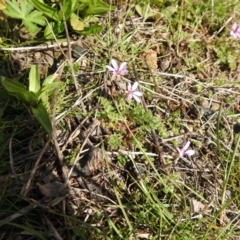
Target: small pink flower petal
x=179 y=150
x=134 y=86
x=132 y=93
x=139 y=94
x=129 y=96
x=110 y=68
x=123 y=66
x=129 y=87
x=124 y=72
x=114 y=63
x=189 y=153
x=184 y=152
x=234 y=27
x=235 y=31
x=186 y=146
x=136 y=98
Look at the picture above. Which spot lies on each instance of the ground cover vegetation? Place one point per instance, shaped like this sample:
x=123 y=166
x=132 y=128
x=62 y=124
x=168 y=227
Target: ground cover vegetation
x=119 y=119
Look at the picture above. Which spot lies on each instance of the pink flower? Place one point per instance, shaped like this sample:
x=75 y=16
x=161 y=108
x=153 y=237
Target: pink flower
x=184 y=152
x=235 y=32
x=116 y=70
x=133 y=93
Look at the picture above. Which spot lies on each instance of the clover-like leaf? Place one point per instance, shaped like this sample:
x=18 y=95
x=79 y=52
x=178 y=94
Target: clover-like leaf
x=48 y=11
x=25 y=11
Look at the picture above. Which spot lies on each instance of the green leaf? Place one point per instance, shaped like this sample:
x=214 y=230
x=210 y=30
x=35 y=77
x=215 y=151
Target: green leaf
x=69 y=7
x=18 y=91
x=51 y=87
x=4 y=95
x=115 y=141
x=42 y=117
x=91 y=19
x=76 y=23
x=91 y=30
x=48 y=90
x=13 y=10
x=34 y=80
x=97 y=7
x=147 y=13
x=25 y=12
x=56 y=27
x=49 y=79
x=48 y=11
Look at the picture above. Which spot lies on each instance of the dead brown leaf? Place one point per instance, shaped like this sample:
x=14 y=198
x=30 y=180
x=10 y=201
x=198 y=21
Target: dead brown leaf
x=196 y=206
x=150 y=59
x=52 y=190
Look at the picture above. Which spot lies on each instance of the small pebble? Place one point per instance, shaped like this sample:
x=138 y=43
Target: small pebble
x=236 y=126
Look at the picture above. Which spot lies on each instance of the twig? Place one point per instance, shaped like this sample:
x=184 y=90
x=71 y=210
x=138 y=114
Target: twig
x=215 y=139
x=170 y=75
x=27 y=155
x=39 y=47
x=79 y=191
x=53 y=105
x=132 y=153
x=11 y=157
x=161 y=95
x=23 y=211
x=70 y=54
x=224 y=25
x=14 y=216
x=74 y=134
x=53 y=229
x=91 y=129
x=25 y=188
x=58 y=44
x=54 y=135
x=155 y=139
x=226 y=179
x=79 y=101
